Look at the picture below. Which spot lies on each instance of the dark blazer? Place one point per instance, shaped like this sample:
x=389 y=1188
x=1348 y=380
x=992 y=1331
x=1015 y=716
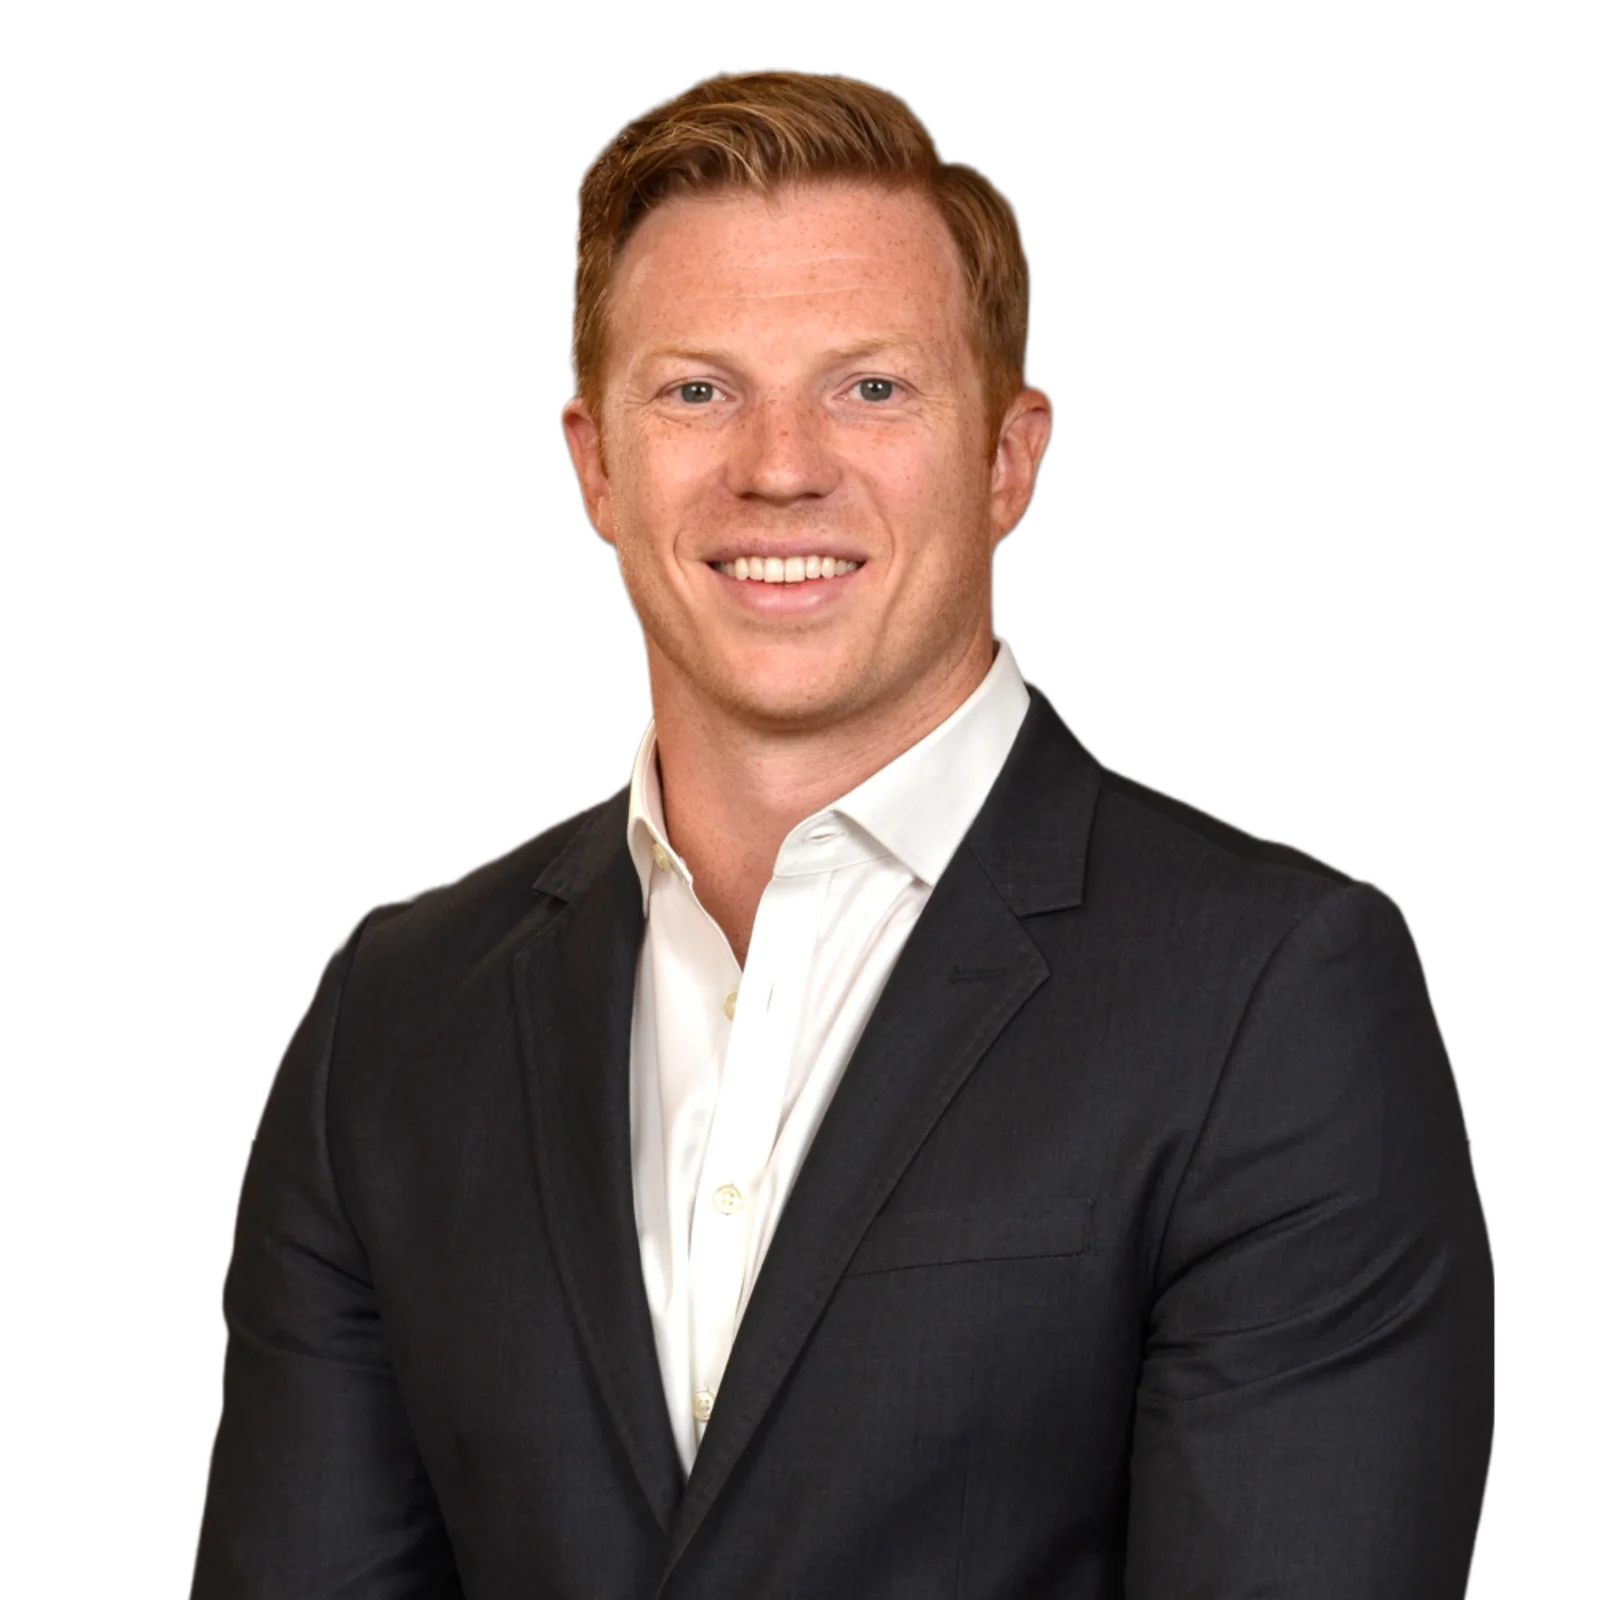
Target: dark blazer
x=1138 y=1254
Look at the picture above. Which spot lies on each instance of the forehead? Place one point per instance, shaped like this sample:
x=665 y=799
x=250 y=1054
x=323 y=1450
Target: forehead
x=845 y=252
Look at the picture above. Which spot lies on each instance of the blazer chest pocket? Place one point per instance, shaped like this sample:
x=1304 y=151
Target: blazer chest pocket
x=988 y=1233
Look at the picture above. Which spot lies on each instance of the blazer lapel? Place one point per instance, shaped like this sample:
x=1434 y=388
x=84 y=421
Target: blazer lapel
x=574 y=1005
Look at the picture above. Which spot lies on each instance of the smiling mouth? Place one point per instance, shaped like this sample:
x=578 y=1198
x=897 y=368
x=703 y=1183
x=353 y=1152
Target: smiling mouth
x=784 y=569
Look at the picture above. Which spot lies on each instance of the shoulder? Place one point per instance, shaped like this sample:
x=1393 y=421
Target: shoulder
x=492 y=904
x=1163 y=862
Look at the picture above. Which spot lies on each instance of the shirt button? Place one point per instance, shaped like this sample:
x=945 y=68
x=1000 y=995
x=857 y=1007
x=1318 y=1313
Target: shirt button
x=663 y=860
x=728 y=1005
x=704 y=1399
x=727 y=1199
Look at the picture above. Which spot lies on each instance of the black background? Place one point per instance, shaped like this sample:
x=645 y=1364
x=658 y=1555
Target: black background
x=1260 y=309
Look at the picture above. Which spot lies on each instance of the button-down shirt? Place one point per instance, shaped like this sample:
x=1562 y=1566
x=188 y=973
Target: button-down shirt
x=731 y=1072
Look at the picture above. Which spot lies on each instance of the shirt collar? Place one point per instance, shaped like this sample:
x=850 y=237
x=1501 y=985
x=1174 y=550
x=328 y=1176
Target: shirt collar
x=917 y=808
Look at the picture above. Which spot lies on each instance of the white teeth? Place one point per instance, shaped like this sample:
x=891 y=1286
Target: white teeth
x=787 y=569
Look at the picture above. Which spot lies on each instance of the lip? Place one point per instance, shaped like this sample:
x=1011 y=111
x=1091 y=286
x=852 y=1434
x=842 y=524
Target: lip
x=787 y=599
x=783 y=548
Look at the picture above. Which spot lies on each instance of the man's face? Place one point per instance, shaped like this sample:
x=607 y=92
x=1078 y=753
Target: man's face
x=792 y=380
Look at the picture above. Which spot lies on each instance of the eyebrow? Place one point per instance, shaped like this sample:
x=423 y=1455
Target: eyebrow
x=710 y=353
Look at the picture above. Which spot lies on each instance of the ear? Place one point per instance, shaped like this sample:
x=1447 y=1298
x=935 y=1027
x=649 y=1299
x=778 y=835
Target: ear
x=1024 y=432
x=582 y=429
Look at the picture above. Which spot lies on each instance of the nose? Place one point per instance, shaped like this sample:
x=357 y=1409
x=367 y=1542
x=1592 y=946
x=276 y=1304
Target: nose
x=781 y=452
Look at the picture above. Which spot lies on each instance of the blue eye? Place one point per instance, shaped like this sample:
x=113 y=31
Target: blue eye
x=700 y=391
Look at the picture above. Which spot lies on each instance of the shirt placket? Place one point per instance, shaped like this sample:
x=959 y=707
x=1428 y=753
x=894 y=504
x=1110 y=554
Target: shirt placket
x=765 y=1020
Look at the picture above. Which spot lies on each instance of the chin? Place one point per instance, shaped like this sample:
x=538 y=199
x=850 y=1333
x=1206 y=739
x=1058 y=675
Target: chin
x=789 y=709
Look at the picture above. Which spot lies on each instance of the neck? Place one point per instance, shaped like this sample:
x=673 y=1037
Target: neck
x=732 y=792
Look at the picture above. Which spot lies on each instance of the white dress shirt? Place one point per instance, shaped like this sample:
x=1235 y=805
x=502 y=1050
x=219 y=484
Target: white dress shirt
x=732 y=1071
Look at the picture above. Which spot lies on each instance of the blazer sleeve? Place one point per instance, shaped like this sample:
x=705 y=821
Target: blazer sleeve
x=316 y=1487
x=1314 y=1412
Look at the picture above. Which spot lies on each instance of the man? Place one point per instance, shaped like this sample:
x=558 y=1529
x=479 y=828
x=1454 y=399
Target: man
x=879 y=1152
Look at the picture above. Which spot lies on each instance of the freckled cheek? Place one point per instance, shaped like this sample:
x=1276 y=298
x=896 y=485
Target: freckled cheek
x=676 y=470
x=915 y=491
x=662 y=493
